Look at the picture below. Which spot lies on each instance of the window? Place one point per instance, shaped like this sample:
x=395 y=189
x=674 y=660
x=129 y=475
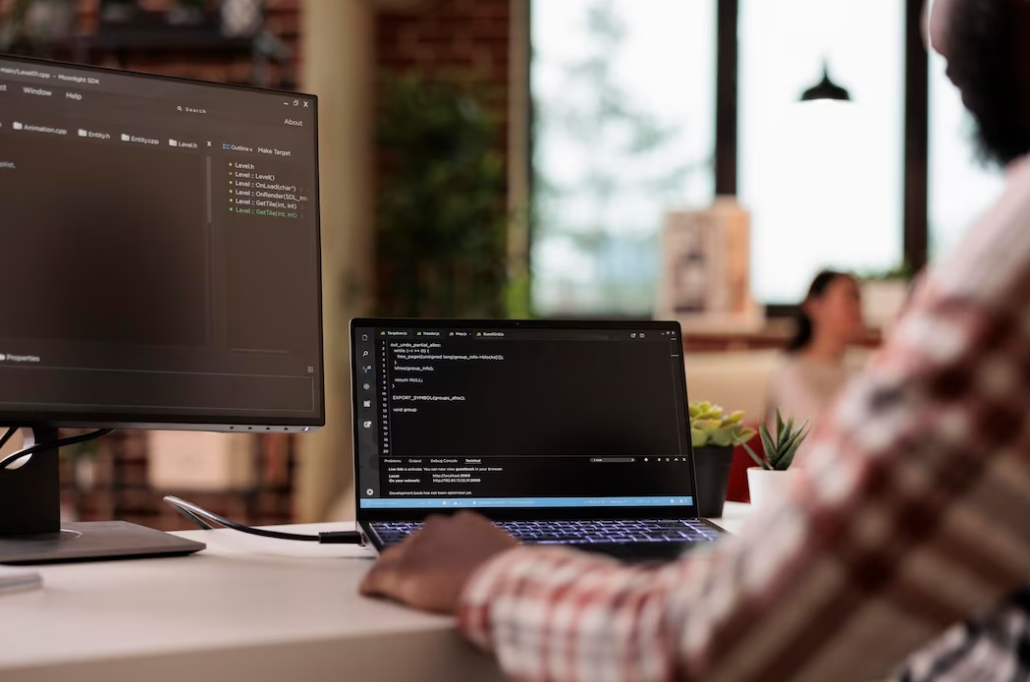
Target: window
x=823 y=180
x=624 y=100
x=960 y=188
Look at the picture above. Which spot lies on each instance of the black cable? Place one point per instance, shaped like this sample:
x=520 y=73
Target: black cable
x=201 y=517
x=51 y=445
x=190 y=516
x=197 y=515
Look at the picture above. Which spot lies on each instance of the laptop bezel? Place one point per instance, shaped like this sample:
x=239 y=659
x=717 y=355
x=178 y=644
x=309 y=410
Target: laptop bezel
x=365 y=515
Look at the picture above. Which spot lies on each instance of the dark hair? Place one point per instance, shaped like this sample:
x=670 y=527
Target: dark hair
x=803 y=335
x=984 y=63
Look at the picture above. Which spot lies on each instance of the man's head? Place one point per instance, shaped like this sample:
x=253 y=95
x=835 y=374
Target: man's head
x=985 y=44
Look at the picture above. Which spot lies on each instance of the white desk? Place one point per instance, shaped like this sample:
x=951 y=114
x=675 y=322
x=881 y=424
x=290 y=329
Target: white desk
x=733 y=516
x=247 y=609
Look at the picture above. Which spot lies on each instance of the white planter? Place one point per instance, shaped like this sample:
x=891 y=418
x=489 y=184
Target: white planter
x=764 y=484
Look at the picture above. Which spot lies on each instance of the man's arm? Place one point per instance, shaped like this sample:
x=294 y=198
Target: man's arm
x=911 y=514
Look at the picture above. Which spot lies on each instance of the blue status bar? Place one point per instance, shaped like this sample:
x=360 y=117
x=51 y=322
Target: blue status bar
x=433 y=502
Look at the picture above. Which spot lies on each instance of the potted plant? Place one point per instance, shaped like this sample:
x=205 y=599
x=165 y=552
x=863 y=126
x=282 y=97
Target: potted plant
x=772 y=473
x=713 y=435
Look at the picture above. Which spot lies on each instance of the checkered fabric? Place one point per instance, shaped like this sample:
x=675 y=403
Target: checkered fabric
x=995 y=648
x=912 y=514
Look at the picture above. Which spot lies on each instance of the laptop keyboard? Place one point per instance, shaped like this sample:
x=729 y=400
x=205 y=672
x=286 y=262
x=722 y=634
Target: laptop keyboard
x=579 y=532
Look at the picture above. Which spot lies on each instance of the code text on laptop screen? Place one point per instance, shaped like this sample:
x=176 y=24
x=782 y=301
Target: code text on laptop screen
x=520 y=418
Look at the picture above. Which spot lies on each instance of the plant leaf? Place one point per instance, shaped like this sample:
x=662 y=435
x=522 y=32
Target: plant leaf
x=723 y=438
x=767 y=443
x=779 y=423
x=711 y=413
x=784 y=462
x=788 y=430
x=708 y=426
x=754 y=455
x=698 y=438
x=791 y=444
x=744 y=436
x=796 y=441
x=788 y=457
x=734 y=418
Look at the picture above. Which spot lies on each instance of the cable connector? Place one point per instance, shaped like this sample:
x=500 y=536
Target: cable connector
x=342 y=537
x=205 y=519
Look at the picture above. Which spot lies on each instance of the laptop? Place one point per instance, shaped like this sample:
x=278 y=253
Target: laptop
x=567 y=433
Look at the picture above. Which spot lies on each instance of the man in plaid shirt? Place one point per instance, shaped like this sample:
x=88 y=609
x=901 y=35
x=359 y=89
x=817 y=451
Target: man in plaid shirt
x=913 y=514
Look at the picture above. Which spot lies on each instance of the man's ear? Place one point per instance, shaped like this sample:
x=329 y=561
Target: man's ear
x=924 y=25
x=937 y=22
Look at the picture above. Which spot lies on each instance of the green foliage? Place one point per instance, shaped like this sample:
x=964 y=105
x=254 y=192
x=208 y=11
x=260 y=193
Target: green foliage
x=903 y=272
x=519 y=293
x=779 y=451
x=89 y=449
x=442 y=219
x=710 y=427
x=31 y=26
x=12 y=36
x=621 y=158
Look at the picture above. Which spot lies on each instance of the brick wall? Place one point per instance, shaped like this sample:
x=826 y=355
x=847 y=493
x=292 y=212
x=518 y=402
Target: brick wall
x=440 y=36
x=283 y=21
x=470 y=39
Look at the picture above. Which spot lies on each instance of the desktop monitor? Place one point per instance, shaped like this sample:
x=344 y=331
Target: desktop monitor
x=159 y=269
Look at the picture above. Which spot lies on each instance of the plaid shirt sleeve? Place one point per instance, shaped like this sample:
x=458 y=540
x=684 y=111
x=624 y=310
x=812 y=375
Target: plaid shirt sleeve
x=912 y=513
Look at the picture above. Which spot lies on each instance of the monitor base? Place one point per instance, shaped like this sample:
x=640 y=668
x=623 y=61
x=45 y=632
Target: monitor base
x=102 y=541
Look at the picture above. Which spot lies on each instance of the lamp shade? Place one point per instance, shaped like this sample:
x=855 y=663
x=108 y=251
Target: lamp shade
x=826 y=89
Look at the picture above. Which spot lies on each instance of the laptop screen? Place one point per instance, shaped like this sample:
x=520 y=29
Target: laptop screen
x=502 y=417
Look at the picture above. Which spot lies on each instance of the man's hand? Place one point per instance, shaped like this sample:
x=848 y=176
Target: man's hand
x=428 y=571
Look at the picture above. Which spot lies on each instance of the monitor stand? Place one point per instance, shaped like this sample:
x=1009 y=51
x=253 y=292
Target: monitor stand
x=31 y=531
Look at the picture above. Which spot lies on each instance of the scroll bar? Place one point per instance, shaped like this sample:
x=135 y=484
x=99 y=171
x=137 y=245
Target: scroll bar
x=208 y=184
x=210 y=265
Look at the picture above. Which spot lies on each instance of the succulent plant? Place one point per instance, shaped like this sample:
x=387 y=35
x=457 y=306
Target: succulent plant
x=779 y=451
x=710 y=427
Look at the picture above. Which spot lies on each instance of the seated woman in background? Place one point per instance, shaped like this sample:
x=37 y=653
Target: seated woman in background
x=830 y=322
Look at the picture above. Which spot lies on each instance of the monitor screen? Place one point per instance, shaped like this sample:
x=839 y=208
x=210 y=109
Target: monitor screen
x=160 y=256
x=504 y=416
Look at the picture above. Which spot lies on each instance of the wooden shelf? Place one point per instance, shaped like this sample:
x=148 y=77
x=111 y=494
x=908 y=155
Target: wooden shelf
x=176 y=39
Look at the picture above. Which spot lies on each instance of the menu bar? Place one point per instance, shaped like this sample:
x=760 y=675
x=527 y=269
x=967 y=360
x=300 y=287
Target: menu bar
x=486 y=334
x=51 y=77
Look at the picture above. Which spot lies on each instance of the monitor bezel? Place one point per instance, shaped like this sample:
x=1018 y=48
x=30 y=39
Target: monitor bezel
x=365 y=515
x=188 y=421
